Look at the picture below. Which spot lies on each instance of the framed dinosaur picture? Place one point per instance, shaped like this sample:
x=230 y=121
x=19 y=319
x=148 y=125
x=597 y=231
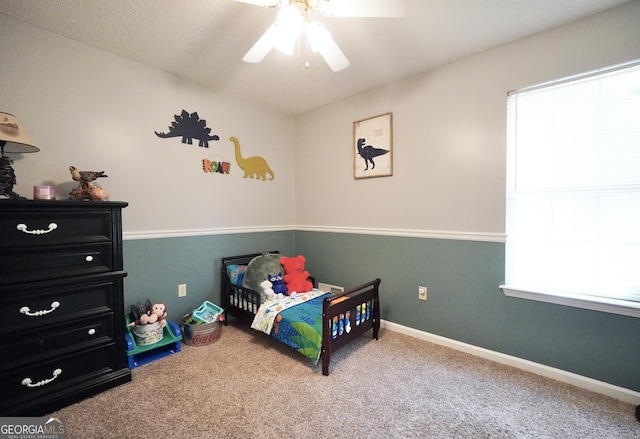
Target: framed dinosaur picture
x=372 y=147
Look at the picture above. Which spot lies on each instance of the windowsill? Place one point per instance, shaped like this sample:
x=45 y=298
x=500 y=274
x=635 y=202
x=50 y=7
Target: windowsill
x=612 y=306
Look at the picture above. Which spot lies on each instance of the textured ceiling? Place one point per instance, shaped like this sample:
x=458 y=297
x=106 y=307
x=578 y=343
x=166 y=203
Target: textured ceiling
x=205 y=40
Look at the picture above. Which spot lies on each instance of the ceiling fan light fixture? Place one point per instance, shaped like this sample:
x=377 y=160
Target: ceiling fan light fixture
x=325 y=7
x=293 y=18
x=289 y=25
x=322 y=42
x=317 y=35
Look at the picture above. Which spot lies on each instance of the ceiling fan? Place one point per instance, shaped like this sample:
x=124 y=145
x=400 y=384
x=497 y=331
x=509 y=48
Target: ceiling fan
x=293 y=19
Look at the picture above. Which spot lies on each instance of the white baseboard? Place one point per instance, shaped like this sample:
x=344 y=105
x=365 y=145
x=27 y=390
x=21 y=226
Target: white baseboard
x=583 y=382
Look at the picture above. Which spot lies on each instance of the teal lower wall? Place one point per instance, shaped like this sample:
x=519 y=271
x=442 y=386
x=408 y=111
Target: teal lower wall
x=157 y=266
x=464 y=302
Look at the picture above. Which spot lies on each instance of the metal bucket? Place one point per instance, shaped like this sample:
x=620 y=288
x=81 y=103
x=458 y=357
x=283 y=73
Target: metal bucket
x=147 y=334
x=200 y=334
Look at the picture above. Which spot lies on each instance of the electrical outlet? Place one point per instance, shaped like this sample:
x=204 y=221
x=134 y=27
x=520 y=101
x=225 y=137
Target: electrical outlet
x=182 y=290
x=422 y=293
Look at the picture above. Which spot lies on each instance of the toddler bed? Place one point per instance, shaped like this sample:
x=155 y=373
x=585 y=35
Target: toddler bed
x=316 y=323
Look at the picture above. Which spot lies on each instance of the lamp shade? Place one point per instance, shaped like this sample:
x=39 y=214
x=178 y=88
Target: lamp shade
x=13 y=138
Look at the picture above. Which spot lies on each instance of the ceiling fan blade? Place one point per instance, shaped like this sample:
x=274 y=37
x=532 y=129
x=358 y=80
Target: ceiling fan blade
x=266 y=3
x=334 y=56
x=263 y=46
x=363 y=8
x=322 y=42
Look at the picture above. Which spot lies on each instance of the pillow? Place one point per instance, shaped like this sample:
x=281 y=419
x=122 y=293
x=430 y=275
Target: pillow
x=258 y=269
x=236 y=273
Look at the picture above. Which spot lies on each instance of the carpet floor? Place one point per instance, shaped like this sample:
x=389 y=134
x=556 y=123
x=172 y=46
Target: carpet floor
x=246 y=385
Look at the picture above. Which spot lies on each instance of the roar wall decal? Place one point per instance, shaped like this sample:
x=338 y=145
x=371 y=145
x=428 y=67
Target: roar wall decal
x=189 y=127
x=221 y=167
x=252 y=166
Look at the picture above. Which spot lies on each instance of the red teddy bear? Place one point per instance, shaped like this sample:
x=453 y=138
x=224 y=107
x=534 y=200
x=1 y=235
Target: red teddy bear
x=295 y=277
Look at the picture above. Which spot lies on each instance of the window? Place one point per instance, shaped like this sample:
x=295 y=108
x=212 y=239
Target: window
x=573 y=191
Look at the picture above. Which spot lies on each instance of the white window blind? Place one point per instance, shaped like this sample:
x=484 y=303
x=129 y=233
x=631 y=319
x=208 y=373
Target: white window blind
x=573 y=186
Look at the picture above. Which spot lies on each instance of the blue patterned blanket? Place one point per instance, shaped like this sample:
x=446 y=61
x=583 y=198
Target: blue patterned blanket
x=296 y=322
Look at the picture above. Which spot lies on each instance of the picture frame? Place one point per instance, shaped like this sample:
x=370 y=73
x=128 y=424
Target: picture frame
x=373 y=147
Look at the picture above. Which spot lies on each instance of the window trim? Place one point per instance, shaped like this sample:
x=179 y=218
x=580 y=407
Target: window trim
x=579 y=76
x=594 y=303
x=584 y=301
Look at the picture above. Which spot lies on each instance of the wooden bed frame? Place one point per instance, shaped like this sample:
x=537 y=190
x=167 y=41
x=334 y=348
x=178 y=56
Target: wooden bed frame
x=243 y=303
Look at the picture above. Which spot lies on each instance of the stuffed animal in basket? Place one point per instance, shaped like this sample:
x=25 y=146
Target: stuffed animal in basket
x=295 y=277
x=156 y=313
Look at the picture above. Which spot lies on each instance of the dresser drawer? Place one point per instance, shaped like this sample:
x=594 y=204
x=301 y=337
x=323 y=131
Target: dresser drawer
x=34 y=263
x=27 y=309
x=37 y=380
x=39 y=345
x=36 y=228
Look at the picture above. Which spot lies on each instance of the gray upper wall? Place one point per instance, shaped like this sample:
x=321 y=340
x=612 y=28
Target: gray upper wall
x=97 y=111
x=449 y=133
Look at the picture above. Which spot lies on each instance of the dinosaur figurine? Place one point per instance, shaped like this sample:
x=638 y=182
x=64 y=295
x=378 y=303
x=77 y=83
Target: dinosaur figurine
x=189 y=127
x=368 y=153
x=252 y=165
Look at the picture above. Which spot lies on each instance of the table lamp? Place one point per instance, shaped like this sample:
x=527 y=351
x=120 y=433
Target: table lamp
x=13 y=139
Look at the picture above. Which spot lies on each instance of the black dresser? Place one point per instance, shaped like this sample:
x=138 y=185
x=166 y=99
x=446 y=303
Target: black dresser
x=61 y=303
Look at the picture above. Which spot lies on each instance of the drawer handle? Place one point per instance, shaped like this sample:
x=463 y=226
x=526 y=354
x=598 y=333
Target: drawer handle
x=89 y=258
x=23 y=228
x=27 y=312
x=91 y=331
x=27 y=381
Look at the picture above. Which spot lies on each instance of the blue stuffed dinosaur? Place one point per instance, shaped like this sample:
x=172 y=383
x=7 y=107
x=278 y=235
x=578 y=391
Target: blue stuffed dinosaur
x=278 y=283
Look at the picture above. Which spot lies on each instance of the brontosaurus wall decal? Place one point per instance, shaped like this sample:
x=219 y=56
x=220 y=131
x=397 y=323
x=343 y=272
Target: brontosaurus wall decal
x=252 y=166
x=189 y=126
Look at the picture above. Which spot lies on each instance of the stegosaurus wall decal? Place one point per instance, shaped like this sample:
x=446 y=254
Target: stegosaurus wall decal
x=189 y=127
